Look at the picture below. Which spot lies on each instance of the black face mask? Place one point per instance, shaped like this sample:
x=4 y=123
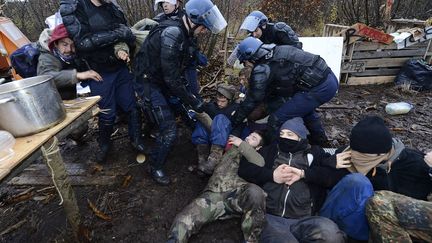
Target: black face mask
x=291 y=146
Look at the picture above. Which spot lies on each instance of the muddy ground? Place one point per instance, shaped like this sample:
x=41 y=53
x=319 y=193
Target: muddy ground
x=143 y=211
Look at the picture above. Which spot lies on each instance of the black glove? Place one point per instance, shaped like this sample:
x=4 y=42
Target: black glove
x=198 y=106
x=124 y=33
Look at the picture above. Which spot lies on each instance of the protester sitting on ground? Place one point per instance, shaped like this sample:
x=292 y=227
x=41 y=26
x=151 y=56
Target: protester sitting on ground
x=373 y=161
x=227 y=195
x=57 y=58
x=214 y=131
x=394 y=217
x=290 y=205
x=290 y=82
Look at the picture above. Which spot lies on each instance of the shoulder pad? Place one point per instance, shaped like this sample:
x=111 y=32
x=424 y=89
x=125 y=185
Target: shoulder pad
x=67 y=7
x=171 y=37
x=261 y=72
x=281 y=25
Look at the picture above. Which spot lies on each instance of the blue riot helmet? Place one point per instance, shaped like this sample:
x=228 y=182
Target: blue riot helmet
x=253 y=49
x=204 y=12
x=254 y=20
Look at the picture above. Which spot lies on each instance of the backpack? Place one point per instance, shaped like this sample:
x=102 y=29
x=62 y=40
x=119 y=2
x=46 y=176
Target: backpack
x=25 y=59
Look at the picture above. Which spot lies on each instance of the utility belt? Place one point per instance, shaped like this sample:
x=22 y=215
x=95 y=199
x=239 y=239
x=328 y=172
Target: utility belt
x=314 y=75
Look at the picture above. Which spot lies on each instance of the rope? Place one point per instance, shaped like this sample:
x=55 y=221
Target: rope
x=53 y=149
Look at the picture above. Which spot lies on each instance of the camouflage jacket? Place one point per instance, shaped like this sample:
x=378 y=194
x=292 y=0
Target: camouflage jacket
x=225 y=176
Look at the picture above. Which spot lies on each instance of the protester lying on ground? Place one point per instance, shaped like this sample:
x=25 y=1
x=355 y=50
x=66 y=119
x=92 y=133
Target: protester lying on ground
x=159 y=68
x=214 y=132
x=226 y=195
x=290 y=82
x=374 y=161
x=96 y=26
x=394 y=217
x=58 y=59
x=290 y=204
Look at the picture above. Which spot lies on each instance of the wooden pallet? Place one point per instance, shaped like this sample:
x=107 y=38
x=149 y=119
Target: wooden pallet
x=374 y=63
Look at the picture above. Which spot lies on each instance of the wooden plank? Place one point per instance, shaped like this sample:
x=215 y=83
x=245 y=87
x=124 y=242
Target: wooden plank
x=373 y=46
x=382 y=54
x=74 y=180
x=386 y=62
x=73 y=169
x=25 y=146
x=377 y=72
x=370 y=80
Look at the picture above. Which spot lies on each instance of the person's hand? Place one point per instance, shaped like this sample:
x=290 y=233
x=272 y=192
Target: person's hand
x=343 y=160
x=293 y=175
x=428 y=158
x=234 y=140
x=280 y=174
x=90 y=74
x=122 y=55
x=124 y=33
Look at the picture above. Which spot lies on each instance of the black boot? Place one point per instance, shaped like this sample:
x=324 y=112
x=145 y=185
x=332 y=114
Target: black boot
x=159 y=176
x=104 y=140
x=135 y=131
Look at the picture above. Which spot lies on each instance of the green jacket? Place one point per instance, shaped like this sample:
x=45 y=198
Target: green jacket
x=225 y=176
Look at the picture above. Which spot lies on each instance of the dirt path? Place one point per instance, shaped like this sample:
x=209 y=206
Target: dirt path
x=143 y=211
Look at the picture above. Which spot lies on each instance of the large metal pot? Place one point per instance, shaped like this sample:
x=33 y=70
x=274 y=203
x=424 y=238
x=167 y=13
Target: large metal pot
x=30 y=105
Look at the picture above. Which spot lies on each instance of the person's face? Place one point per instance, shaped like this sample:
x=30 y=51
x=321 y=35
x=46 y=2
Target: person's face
x=285 y=133
x=254 y=140
x=168 y=7
x=221 y=101
x=65 y=46
x=257 y=33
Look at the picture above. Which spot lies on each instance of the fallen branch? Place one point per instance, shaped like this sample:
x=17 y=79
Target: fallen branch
x=212 y=83
x=97 y=212
x=13 y=227
x=335 y=107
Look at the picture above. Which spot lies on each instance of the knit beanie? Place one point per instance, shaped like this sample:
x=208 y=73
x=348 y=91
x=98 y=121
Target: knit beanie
x=297 y=126
x=228 y=91
x=58 y=33
x=371 y=136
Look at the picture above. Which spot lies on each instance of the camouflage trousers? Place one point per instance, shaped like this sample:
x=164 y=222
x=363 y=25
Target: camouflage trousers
x=246 y=201
x=397 y=218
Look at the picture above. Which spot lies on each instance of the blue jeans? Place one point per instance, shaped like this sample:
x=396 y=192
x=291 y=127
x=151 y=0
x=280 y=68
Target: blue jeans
x=303 y=104
x=346 y=203
x=308 y=229
x=220 y=130
x=116 y=90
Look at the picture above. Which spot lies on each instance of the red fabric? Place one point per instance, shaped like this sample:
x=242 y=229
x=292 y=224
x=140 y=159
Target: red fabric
x=58 y=33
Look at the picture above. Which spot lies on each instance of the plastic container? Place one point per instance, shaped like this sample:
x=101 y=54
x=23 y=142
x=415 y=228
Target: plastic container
x=7 y=141
x=398 y=108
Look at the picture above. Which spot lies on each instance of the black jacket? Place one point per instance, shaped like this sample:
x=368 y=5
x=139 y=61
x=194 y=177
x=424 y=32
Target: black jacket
x=95 y=30
x=212 y=109
x=163 y=57
x=280 y=34
x=285 y=71
x=318 y=181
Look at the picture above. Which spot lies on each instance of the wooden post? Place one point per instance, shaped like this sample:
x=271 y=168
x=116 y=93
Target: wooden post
x=54 y=161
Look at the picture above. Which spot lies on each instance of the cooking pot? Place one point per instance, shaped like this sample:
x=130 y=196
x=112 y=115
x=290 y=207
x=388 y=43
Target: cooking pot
x=30 y=106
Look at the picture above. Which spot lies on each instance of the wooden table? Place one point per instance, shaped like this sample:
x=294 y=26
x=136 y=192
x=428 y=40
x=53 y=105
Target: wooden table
x=28 y=149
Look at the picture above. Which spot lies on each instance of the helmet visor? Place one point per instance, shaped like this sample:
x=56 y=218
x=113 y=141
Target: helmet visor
x=250 y=24
x=233 y=57
x=213 y=20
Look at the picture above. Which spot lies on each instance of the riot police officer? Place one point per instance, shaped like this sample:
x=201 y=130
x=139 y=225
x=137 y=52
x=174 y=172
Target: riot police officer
x=258 y=26
x=290 y=81
x=96 y=26
x=159 y=67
